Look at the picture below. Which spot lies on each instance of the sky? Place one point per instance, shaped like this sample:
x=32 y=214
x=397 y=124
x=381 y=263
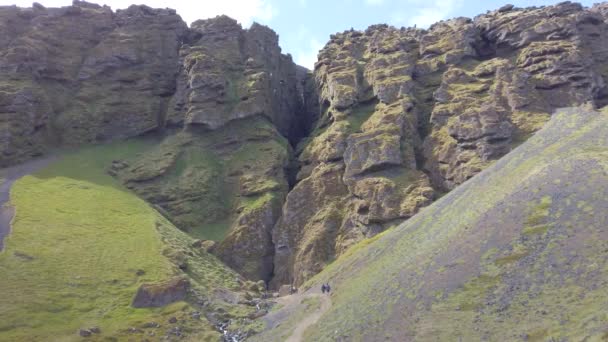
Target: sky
x=304 y=26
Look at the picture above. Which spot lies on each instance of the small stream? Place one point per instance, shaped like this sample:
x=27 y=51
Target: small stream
x=11 y=175
x=230 y=336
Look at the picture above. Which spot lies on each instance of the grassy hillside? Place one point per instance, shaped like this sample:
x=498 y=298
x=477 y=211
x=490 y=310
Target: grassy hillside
x=203 y=180
x=80 y=247
x=519 y=252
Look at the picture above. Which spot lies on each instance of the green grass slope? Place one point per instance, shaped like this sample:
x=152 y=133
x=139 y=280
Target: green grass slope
x=519 y=252
x=198 y=178
x=80 y=247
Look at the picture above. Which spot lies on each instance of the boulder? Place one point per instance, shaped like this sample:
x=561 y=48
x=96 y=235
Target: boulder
x=84 y=333
x=161 y=294
x=371 y=152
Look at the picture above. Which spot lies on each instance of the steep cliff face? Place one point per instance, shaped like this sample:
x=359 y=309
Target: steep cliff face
x=228 y=73
x=359 y=170
x=408 y=114
x=83 y=74
x=224 y=177
x=227 y=100
x=526 y=63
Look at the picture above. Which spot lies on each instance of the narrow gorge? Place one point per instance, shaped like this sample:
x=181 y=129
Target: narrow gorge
x=274 y=169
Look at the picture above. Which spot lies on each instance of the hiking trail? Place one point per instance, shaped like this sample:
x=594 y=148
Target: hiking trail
x=298 y=332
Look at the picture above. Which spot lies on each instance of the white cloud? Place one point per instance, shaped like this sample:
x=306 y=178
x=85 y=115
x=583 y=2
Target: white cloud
x=440 y=9
x=244 y=11
x=308 y=57
x=427 y=14
x=374 y=2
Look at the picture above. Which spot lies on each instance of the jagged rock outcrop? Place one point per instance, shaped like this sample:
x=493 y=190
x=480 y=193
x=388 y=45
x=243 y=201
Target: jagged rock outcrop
x=228 y=73
x=527 y=63
x=407 y=114
x=359 y=167
x=157 y=295
x=226 y=176
x=82 y=74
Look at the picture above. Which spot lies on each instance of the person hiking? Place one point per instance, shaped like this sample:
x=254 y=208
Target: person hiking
x=323 y=288
x=327 y=287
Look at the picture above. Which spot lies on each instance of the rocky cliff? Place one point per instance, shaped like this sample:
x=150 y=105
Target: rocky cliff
x=275 y=169
x=83 y=74
x=226 y=100
x=224 y=176
x=408 y=114
x=518 y=253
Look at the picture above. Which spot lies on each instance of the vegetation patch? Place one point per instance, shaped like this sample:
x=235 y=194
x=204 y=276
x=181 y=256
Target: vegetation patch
x=200 y=179
x=538 y=213
x=90 y=244
x=359 y=115
x=511 y=258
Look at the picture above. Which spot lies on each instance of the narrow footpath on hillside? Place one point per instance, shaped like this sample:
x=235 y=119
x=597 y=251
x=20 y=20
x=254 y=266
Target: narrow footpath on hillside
x=293 y=315
x=8 y=177
x=311 y=319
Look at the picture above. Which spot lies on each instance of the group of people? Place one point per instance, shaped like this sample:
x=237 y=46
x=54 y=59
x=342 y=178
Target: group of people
x=325 y=288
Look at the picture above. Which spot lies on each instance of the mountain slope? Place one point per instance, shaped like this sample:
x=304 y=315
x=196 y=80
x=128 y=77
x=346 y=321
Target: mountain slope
x=518 y=252
x=81 y=246
x=227 y=185
x=278 y=171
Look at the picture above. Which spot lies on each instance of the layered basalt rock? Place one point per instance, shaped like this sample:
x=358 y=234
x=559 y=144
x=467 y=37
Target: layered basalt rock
x=83 y=74
x=359 y=168
x=528 y=62
x=410 y=113
x=229 y=73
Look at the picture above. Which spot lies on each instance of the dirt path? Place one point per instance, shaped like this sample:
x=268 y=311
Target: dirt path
x=7 y=178
x=311 y=319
